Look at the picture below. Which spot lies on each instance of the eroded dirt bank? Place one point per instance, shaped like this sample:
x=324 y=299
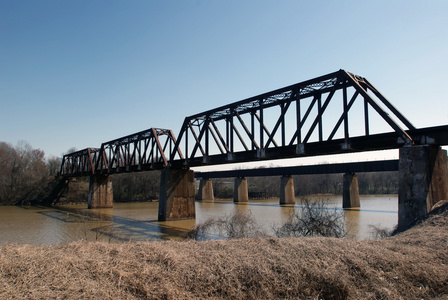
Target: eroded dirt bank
x=411 y=265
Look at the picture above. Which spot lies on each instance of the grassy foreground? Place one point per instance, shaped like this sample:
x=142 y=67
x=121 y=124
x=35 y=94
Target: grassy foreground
x=411 y=265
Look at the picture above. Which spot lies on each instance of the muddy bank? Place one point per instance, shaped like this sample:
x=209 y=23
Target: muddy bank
x=413 y=264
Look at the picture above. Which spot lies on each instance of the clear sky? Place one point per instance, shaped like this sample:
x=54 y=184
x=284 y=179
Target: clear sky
x=79 y=73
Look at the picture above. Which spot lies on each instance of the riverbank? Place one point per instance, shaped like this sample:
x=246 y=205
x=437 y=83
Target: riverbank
x=411 y=265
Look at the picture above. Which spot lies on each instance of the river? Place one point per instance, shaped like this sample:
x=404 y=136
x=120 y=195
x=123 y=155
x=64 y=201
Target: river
x=138 y=221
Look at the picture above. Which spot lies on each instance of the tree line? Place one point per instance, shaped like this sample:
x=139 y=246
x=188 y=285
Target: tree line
x=24 y=173
x=368 y=183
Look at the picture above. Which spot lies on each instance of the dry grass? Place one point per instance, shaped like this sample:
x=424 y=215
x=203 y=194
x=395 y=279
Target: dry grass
x=411 y=265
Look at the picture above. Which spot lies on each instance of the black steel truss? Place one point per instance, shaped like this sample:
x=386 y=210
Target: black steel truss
x=241 y=127
x=145 y=150
x=80 y=163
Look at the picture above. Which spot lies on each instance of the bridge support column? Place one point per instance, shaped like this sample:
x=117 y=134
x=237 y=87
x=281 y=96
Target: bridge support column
x=176 y=197
x=205 y=191
x=240 y=191
x=287 y=195
x=100 y=192
x=350 y=191
x=423 y=181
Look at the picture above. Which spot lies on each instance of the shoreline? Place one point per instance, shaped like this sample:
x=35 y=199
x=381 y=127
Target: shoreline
x=412 y=264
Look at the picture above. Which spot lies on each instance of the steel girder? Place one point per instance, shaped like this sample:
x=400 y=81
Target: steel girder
x=237 y=131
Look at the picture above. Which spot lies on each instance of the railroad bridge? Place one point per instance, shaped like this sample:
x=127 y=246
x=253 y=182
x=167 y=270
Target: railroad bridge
x=332 y=114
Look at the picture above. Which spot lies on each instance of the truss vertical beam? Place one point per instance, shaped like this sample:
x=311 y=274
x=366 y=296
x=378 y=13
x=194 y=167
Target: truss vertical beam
x=345 y=113
x=366 y=117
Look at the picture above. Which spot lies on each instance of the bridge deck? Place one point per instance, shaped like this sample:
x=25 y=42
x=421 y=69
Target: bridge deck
x=424 y=136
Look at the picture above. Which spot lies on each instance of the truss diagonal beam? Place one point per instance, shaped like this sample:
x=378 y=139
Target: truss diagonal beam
x=381 y=112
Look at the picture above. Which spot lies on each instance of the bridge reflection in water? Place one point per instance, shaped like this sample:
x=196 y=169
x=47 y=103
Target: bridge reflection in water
x=138 y=221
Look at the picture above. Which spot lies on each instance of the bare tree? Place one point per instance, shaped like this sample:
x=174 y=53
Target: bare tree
x=53 y=165
x=23 y=173
x=314 y=219
x=235 y=226
x=142 y=186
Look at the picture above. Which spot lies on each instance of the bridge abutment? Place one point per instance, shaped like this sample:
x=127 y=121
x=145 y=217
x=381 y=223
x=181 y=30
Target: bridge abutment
x=205 y=191
x=350 y=192
x=423 y=181
x=287 y=195
x=176 y=197
x=240 y=191
x=100 y=192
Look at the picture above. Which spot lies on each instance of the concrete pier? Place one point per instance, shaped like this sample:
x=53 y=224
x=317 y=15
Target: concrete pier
x=423 y=181
x=287 y=195
x=100 y=192
x=205 y=191
x=240 y=191
x=350 y=191
x=176 y=197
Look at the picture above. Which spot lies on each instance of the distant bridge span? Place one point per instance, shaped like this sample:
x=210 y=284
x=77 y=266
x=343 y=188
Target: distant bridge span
x=351 y=167
x=329 y=114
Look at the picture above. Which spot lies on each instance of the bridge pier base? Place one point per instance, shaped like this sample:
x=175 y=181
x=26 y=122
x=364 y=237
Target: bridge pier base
x=100 y=192
x=350 y=191
x=287 y=195
x=176 y=197
x=205 y=191
x=240 y=191
x=423 y=181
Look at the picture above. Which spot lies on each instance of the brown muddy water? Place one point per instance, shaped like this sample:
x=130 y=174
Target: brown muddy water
x=138 y=221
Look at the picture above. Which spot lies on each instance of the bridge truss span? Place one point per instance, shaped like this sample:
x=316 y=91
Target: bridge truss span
x=317 y=116
x=142 y=151
x=80 y=163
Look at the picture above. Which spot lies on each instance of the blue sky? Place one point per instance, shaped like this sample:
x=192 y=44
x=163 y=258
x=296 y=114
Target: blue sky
x=79 y=73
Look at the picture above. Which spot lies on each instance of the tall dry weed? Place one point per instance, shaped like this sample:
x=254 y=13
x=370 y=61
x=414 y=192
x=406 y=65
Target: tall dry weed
x=379 y=232
x=314 y=218
x=236 y=226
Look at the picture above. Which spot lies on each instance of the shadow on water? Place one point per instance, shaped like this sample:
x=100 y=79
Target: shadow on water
x=114 y=227
x=138 y=222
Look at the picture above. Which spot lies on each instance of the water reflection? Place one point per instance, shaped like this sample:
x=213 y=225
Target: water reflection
x=138 y=221
x=352 y=222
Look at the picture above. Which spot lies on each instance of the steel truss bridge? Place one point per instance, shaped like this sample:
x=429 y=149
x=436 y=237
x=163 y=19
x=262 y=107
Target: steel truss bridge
x=336 y=113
